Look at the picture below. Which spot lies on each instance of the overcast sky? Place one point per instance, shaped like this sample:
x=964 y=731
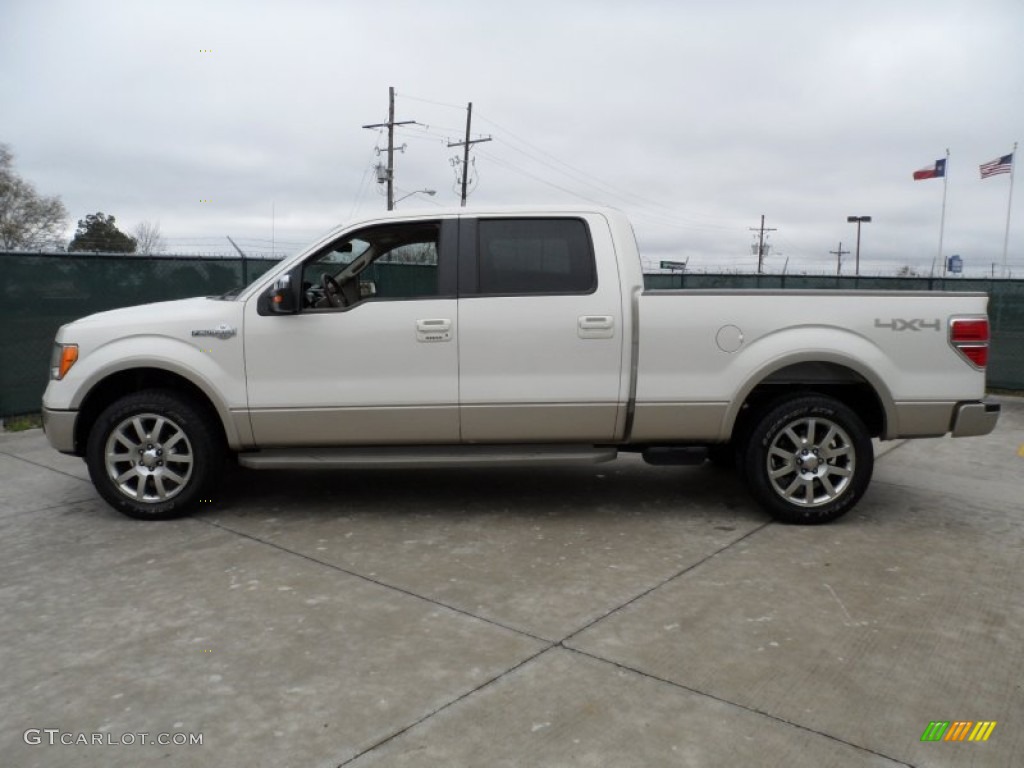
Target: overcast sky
x=693 y=117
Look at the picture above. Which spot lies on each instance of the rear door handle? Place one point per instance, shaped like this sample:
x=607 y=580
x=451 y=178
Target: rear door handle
x=434 y=329
x=596 y=326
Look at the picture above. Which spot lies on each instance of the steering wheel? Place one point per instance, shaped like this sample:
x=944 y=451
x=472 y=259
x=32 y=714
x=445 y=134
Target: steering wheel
x=333 y=291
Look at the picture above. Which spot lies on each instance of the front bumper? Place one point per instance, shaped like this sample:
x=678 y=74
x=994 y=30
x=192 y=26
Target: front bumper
x=977 y=418
x=59 y=427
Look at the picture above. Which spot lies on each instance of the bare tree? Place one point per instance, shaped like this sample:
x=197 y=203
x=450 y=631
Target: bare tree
x=907 y=271
x=147 y=237
x=28 y=220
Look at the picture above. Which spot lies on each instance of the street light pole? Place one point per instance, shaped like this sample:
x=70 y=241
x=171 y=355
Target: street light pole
x=430 y=192
x=858 y=220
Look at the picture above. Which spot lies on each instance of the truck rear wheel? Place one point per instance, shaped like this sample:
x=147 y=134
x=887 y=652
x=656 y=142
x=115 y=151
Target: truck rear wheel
x=809 y=459
x=152 y=455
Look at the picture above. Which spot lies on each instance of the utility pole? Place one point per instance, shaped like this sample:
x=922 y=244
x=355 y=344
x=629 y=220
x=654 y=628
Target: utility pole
x=839 y=257
x=760 y=243
x=466 y=145
x=390 y=125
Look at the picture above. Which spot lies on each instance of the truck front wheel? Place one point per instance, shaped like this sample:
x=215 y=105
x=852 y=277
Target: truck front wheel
x=808 y=460
x=152 y=455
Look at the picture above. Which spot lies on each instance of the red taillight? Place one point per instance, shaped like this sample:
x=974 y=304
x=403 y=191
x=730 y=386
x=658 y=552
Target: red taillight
x=976 y=354
x=962 y=331
x=970 y=338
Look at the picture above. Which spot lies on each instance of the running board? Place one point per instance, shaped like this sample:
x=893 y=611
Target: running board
x=675 y=455
x=401 y=457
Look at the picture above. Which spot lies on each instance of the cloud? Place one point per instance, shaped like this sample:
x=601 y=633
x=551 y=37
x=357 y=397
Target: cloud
x=694 y=117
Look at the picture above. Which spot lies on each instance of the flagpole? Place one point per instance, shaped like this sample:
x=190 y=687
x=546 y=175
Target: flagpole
x=942 y=221
x=1009 y=207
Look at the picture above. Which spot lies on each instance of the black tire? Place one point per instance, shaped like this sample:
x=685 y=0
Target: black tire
x=153 y=455
x=808 y=460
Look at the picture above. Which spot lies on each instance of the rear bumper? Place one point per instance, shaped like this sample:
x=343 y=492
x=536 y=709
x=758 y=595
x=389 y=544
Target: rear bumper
x=59 y=427
x=977 y=418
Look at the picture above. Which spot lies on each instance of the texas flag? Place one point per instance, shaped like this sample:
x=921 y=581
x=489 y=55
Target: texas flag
x=936 y=171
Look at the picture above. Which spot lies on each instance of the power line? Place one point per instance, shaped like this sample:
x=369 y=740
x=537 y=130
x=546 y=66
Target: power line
x=635 y=210
x=518 y=170
x=431 y=101
x=596 y=182
x=647 y=208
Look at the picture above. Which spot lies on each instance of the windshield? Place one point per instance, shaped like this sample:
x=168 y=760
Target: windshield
x=250 y=275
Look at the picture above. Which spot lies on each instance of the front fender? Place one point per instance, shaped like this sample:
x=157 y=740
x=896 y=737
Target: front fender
x=214 y=366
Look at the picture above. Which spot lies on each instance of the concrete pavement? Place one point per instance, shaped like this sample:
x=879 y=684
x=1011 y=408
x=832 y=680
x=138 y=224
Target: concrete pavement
x=618 y=615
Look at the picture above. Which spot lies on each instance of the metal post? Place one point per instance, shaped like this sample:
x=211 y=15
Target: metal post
x=942 y=219
x=1009 y=208
x=858 y=220
x=245 y=271
x=856 y=270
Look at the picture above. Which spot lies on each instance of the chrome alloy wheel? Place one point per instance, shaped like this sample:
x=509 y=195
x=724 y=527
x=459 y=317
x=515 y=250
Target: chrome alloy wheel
x=811 y=462
x=149 y=458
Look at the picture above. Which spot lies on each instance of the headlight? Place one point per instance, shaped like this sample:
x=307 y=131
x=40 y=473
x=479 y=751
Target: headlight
x=63 y=357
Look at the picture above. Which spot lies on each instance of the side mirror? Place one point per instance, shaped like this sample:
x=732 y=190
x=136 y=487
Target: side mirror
x=281 y=298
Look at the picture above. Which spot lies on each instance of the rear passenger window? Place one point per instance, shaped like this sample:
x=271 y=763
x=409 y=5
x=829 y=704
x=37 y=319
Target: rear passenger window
x=527 y=256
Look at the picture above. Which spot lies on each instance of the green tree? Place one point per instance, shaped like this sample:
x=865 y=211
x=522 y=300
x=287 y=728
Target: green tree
x=28 y=220
x=97 y=232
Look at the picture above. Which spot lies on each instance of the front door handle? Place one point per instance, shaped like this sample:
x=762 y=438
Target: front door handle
x=434 y=329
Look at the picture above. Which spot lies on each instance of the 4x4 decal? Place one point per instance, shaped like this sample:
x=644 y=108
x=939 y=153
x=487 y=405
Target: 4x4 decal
x=917 y=324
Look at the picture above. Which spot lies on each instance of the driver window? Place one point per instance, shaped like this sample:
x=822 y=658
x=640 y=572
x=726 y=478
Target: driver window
x=396 y=261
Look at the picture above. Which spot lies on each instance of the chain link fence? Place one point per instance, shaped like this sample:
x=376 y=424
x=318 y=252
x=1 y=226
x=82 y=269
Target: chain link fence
x=41 y=292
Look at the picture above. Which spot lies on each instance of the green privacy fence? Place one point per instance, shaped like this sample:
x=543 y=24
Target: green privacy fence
x=40 y=292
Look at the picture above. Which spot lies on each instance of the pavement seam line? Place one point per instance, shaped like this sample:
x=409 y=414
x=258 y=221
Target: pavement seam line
x=36 y=510
x=449 y=704
x=663 y=582
x=44 y=466
x=737 y=705
x=964 y=496
x=379 y=583
x=900 y=442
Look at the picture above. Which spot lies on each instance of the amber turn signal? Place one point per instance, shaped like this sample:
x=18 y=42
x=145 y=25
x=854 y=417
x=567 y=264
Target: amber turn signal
x=64 y=356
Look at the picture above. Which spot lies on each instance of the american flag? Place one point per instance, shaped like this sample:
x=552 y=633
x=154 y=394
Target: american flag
x=1003 y=165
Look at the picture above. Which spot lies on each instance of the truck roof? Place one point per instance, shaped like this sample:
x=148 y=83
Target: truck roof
x=483 y=210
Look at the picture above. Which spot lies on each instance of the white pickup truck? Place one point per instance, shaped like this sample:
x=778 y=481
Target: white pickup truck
x=510 y=336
